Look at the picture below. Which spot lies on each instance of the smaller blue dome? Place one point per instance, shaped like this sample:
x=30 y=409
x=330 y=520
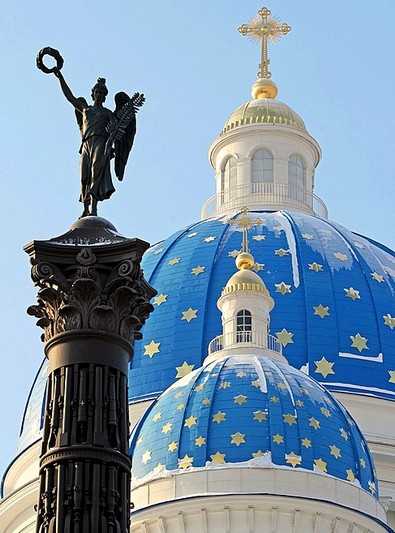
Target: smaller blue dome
x=252 y=411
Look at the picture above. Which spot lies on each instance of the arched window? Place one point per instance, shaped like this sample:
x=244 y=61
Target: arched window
x=229 y=175
x=262 y=167
x=296 y=172
x=243 y=326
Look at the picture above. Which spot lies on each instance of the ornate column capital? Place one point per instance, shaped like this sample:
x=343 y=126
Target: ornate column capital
x=90 y=279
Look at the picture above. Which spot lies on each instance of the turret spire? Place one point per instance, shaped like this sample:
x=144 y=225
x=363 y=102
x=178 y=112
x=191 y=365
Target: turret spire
x=264 y=28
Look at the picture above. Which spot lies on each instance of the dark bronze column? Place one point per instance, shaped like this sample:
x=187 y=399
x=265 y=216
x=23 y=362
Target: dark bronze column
x=92 y=302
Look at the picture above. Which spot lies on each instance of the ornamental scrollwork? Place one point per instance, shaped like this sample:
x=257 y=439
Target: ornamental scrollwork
x=90 y=295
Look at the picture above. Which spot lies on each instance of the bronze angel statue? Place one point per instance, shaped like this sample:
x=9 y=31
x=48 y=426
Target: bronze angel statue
x=105 y=134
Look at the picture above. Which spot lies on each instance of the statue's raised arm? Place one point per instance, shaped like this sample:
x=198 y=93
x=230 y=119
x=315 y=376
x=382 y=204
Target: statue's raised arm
x=105 y=134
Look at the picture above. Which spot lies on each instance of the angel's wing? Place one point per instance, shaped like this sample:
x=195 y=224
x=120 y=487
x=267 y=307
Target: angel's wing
x=122 y=128
x=78 y=114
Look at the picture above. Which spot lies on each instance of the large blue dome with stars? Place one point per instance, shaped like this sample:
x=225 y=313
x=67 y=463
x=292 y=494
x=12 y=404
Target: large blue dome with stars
x=334 y=310
x=252 y=411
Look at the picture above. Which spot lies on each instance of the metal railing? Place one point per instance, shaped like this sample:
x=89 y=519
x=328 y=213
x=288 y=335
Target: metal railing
x=245 y=338
x=264 y=195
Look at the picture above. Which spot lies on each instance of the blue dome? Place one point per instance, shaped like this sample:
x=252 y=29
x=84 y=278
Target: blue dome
x=254 y=411
x=334 y=294
x=334 y=301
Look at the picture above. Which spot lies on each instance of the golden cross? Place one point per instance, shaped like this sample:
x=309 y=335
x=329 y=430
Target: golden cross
x=245 y=222
x=265 y=28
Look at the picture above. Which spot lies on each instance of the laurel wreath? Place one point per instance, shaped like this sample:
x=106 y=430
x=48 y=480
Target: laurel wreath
x=48 y=51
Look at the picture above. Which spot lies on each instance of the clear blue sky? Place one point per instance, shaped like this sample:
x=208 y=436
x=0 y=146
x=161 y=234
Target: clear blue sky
x=336 y=69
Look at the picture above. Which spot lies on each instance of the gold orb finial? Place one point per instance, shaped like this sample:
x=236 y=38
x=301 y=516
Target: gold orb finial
x=264 y=88
x=245 y=261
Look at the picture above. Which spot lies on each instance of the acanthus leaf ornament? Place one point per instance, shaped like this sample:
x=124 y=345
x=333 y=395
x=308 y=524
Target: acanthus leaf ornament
x=90 y=291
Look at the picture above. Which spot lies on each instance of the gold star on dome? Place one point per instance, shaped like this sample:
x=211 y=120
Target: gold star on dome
x=274 y=399
x=352 y=293
x=320 y=464
x=234 y=253
x=218 y=458
x=185 y=462
x=139 y=440
x=293 y=459
x=321 y=311
x=359 y=342
x=180 y=406
x=377 y=277
x=289 y=419
x=372 y=486
x=158 y=467
x=303 y=390
x=281 y=252
x=299 y=403
x=206 y=401
x=335 y=451
x=151 y=349
x=184 y=369
x=225 y=385
x=278 y=439
x=219 y=417
x=193 y=234
x=282 y=386
x=306 y=442
x=308 y=236
x=160 y=299
x=325 y=412
x=259 y=453
x=256 y=383
x=146 y=457
x=344 y=434
x=324 y=367
x=189 y=314
x=166 y=428
x=158 y=251
x=316 y=267
x=172 y=447
x=199 y=388
x=282 y=288
x=240 y=399
x=359 y=245
x=285 y=337
x=389 y=321
x=362 y=462
x=392 y=376
x=314 y=423
x=241 y=374
x=260 y=415
x=174 y=261
x=258 y=267
x=179 y=394
x=198 y=270
x=350 y=475
x=157 y=416
x=237 y=438
x=191 y=421
x=259 y=237
x=340 y=256
x=200 y=441
x=209 y=239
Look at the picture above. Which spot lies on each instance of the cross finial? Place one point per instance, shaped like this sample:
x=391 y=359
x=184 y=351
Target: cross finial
x=264 y=28
x=245 y=222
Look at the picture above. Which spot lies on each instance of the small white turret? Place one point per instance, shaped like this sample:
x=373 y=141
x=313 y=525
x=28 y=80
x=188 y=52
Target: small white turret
x=245 y=304
x=264 y=156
